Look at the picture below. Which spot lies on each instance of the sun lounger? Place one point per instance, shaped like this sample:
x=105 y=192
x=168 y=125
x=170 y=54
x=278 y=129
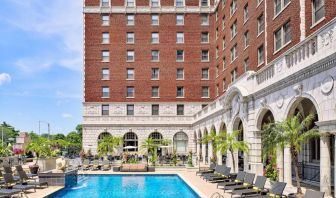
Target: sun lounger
x=225 y=175
x=106 y=165
x=4 y=193
x=313 y=194
x=86 y=164
x=216 y=173
x=8 y=170
x=27 y=181
x=10 y=183
x=276 y=190
x=239 y=180
x=19 y=168
x=257 y=188
x=247 y=183
x=203 y=170
x=95 y=165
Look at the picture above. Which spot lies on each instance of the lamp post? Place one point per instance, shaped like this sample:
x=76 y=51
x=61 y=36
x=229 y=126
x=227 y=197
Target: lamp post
x=48 y=127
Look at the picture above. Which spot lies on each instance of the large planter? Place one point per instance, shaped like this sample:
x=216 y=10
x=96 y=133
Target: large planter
x=47 y=164
x=34 y=169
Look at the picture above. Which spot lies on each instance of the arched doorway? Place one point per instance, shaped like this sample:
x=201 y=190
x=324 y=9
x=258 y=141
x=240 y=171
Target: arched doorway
x=238 y=125
x=223 y=131
x=131 y=141
x=157 y=137
x=180 y=142
x=206 y=160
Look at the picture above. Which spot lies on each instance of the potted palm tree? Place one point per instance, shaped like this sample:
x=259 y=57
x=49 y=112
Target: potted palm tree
x=108 y=145
x=150 y=147
x=211 y=138
x=41 y=147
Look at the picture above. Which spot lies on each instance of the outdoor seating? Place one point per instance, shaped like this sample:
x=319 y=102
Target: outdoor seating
x=95 y=165
x=8 y=169
x=248 y=183
x=239 y=180
x=203 y=170
x=19 y=168
x=218 y=170
x=257 y=188
x=106 y=165
x=224 y=175
x=313 y=194
x=133 y=168
x=276 y=190
x=27 y=181
x=86 y=164
x=11 y=183
x=5 y=193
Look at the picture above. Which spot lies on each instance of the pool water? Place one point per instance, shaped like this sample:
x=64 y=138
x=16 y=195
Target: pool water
x=161 y=186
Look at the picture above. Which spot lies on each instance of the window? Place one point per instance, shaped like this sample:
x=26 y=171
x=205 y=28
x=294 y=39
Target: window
x=318 y=10
x=217 y=55
x=180 y=109
x=233 y=53
x=205 y=55
x=130 y=37
x=261 y=26
x=130 y=56
x=234 y=29
x=205 y=74
x=155 y=19
x=179 y=37
x=179 y=55
x=223 y=23
x=105 y=37
x=105 y=56
x=179 y=3
x=282 y=36
x=204 y=19
x=205 y=37
x=130 y=74
x=155 y=109
x=105 y=3
x=279 y=5
x=223 y=3
x=180 y=19
x=217 y=70
x=205 y=92
x=246 y=39
x=155 y=55
x=105 y=20
x=246 y=64
x=155 y=92
x=155 y=73
x=155 y=37
x=204 y=3
x=223 y=43
x=217 y=90
x=204 y=105
x=246 y=13
x=105 y=109
x=155 y=3
x=261 y=55
x=224 y=63
x=180 y=92
x=179 y=74
x=234 y=75
x=130 y=92
x=233 y=7
x=216 y=15
x=105 y=74
x=216 y=33
x=130 y=3
x=258 y=2
x=130 y=19
x=224 y=84
x=105 y=92
x=130 y=109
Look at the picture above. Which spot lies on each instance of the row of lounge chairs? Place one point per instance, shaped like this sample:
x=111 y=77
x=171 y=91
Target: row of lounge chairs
x=244 y=184
x=96 y=165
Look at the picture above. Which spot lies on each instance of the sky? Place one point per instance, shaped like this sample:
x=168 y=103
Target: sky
x=41 y=62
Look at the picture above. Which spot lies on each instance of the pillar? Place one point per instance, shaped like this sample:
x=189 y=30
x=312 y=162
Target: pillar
x=325 y=165
x=203 y=153
x=287 y=166
x=219 y=158
x=198 y=151
x=280 y=164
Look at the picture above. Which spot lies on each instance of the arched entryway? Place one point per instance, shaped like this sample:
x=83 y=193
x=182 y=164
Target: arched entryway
x=102 y=135
x=180 y=142
x=157 y=137
x=130 y=142
x=238 y=125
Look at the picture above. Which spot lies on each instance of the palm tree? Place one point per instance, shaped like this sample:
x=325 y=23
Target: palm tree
x=212 y=138
x=41 y=147
x=228 y=142
x=109 y=144
x=149 y=145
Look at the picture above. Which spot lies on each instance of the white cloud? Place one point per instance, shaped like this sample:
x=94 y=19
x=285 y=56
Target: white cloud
x=5 y=78
x=67 y=116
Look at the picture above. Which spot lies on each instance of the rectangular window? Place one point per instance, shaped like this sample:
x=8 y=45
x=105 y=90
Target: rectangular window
x=179 y=3
x=282 y=36
x=180 y=109
x=261 y=25
x=155 y=19
x=130 y=3
x=105 y=74
x=155 y=92
x=204 y=3
x=130 y=56
x=130 y=109
x=179 y=55
x=233 y=52
x=224 y=63
x=223 y=43
x=205 y=92
x=130 y=19
x=105 y=92
x=205 y=74
x=261 y=55
x=105 y=109
x=216 y=33
x=105 y=56
x=217 y=71
x=155 y=109
x=217 y=55
x=130 y=92
x=224 y=84
x=246 y=13
x=105 y=20
x=233 y=7
x=246 y=64
x=204 y=19
x=105 y=37
x=155 y=55
x=155 y=3
x=155 y=37
x=205 y=37
x=130 y=37
x=246 y=39
x=180 y=92
x=205 y=55
x=180 y=19
x=217 y=90
x=216 y=15
x=179 y=37
x=279 y=5
x=223 y=23
x=130 y=74
x=105 y=3
x=155 y=73
x=234 y=75
x=318 y=10
x=179 y=74
x=234 y=29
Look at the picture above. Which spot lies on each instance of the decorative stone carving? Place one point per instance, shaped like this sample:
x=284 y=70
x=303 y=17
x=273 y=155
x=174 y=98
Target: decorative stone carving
x=298 y=89
x=235 y=105
x=280 y=101
x=327 y=85
x=278 y=65
x=263 y=102
x=327 y=38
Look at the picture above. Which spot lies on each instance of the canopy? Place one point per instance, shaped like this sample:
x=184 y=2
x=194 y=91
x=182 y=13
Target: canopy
x=130 y=147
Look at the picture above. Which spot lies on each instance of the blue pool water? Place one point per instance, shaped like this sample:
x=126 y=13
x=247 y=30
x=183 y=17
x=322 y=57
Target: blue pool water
x=160 y=186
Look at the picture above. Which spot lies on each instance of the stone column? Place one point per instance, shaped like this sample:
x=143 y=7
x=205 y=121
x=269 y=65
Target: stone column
x=198 y=151
x=287 y=167
x=219 y=158
x=325 y=165
x=210 y=152
x=280 y=164
x=203 y=153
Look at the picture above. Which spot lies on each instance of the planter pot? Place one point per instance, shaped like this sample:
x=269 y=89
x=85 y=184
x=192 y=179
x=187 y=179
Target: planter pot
x=34 y=169
x=47 y=164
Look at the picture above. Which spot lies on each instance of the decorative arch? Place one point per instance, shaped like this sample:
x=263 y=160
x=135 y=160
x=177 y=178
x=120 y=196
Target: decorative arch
x=180 y=142
x=213 y=129
x=156 y=136
x=294 y=102
x=232 y=92
x=238 y=125
x=264 y=116
x=222 y=127
x=130 y=140
x=102 y=135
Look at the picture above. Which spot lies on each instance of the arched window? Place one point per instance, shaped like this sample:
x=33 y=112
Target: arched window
x=181 y=142
x=131 y=141
x=156 y=136
x=102 y=135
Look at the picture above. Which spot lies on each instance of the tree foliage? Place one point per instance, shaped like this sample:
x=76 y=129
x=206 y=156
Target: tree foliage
x=108 y=145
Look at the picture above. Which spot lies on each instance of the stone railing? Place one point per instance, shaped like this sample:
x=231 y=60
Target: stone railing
x=265 y=74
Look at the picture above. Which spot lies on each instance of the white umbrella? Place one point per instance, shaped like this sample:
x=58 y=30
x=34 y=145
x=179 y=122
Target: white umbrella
x=130 y=147
x=165 y=146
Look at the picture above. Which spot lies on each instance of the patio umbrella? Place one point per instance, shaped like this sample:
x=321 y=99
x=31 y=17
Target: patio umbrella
x=130 y=147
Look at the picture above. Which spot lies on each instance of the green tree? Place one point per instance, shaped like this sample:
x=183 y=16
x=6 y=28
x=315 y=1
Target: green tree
x=41 y=147
x=228 y=142
x=74 y=138
x=213 y=139
x=58 y=136
x=79 y=129
x=108 y=145
x=149 y=145
x=8 y=132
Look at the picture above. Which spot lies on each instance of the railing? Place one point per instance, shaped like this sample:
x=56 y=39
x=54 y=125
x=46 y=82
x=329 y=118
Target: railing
x=265 y=74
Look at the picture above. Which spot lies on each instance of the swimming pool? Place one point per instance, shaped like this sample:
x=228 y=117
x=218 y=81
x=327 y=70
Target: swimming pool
x=161 y=186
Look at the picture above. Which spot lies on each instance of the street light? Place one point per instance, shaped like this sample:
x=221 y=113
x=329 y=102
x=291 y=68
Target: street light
x=48 y=127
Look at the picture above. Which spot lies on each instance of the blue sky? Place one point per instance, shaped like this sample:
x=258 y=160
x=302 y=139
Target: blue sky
x=41 y=64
